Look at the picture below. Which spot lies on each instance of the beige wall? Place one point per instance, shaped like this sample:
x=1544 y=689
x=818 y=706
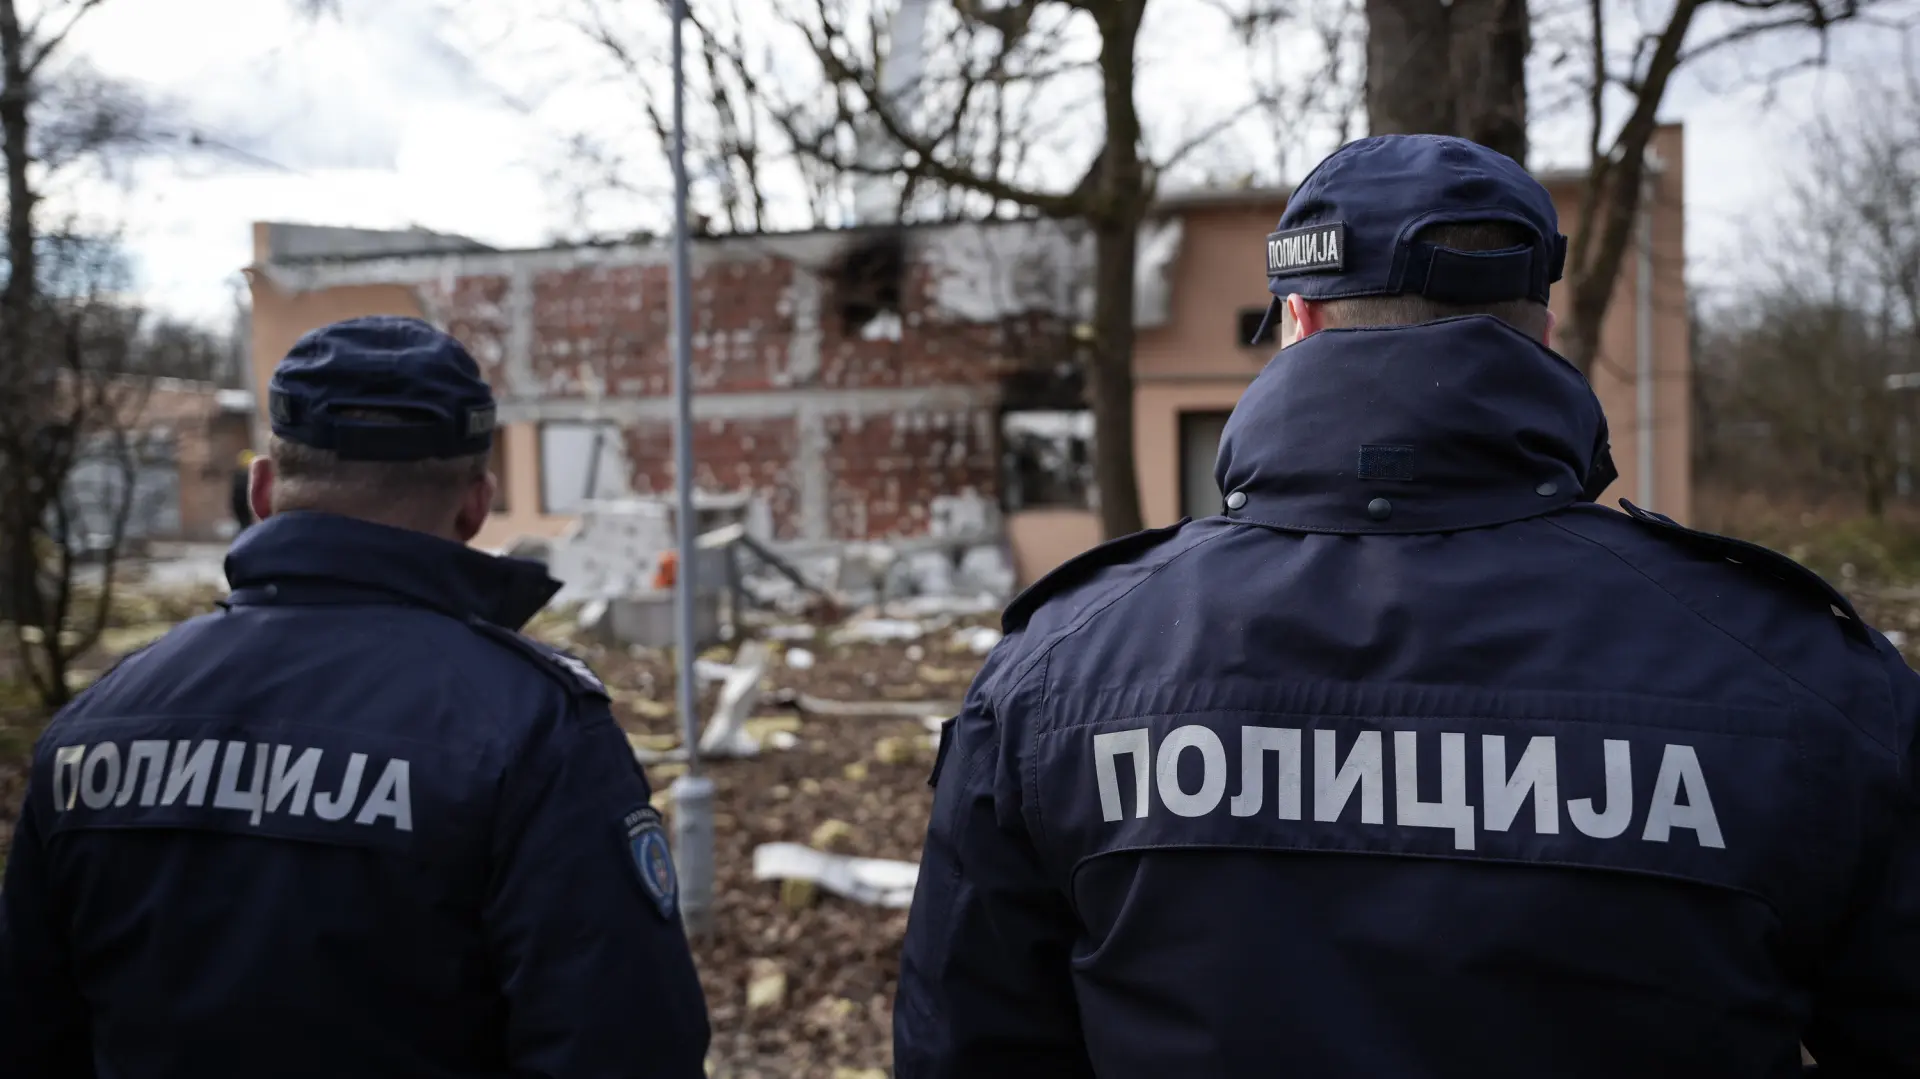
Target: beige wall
x=1042 y=539
x=207 y=445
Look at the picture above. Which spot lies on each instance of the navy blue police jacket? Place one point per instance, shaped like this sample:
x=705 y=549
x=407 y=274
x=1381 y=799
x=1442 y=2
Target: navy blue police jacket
x=353 y=824
x=1415 y=762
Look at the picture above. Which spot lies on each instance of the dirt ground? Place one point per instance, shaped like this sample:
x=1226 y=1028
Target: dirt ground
x=821 y=972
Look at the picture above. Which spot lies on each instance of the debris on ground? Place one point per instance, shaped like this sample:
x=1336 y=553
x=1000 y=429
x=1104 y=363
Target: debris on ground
x=800 y=969
x=877 y=882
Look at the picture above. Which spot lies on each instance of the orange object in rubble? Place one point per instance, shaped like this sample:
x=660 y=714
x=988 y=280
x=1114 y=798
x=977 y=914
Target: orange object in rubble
x=667 y=570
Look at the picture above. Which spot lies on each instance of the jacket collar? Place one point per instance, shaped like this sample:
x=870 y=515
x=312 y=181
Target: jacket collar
x=323 y=549
x=1449 y=425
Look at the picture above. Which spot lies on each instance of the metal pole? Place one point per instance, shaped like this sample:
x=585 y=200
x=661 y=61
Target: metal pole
x=692 y=792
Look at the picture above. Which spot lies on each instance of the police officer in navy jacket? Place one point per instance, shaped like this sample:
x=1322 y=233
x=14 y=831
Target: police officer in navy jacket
x=353 y=823
x=1415 y=762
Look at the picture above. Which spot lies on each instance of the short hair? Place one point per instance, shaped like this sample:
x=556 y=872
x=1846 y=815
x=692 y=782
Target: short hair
x=413 y=494
x=1411 y=309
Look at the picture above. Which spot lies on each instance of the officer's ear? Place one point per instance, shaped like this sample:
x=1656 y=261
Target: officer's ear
x=1299 y=319
x=260 y=487
x=475 y=506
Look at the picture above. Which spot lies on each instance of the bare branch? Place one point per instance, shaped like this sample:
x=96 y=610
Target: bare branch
x=1211 y=132
x=45 y=45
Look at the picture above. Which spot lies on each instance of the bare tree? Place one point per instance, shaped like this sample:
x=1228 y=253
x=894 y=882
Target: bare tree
x=71 y=383
x=988 y=128
x=1450 y=68
x=1807 y=374
x=1618 y=171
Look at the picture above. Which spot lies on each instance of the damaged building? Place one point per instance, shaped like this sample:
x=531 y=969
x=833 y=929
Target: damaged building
x=915 y=387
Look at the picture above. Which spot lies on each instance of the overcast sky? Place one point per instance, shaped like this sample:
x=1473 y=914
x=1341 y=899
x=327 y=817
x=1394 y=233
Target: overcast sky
x=396 y=117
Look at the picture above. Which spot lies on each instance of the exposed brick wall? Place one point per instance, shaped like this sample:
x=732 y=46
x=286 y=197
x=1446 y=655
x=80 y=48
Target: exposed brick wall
x=881 y=471
x=474 y=310
x=886 y=470
x=728 y=455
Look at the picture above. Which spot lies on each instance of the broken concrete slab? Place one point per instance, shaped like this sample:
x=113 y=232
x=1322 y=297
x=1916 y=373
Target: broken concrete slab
x=878 y=882
x=649 y=619
x=987 y=572
x=725 y=734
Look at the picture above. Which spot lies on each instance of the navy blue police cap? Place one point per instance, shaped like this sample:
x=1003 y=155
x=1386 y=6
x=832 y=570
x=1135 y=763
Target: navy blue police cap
x=1349 y=228
x=423 y=387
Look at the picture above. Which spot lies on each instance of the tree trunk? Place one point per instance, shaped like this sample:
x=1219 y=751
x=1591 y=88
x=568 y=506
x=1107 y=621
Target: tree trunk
x=1458 y=69
x=1122 y=193
x=1598 y=245
x=1110 y=378
x=15 y=98
x=16 y=308
x=1488 y=49
x=1408 y=68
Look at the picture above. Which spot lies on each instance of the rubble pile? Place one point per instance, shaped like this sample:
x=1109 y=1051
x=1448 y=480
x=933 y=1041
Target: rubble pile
x=821 y=805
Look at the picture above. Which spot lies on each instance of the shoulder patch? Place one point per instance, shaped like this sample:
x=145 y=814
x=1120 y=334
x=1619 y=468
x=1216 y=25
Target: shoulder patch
x=646 y=843
x=569 y=670
x=1076 y=569
x=1761 y=560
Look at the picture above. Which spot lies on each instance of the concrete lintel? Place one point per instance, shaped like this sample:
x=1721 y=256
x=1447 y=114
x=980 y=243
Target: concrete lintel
x=815 y=248
x=750 y=406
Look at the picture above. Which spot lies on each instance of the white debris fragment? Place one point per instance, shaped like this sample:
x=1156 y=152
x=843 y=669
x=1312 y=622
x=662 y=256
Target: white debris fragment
x=782 y=739
x=726 y=734
x=930 y=606
x=1896 y=638
x=877 y=882
x=880 y=629
x=800 y=659
x=593 y=617
x=884 y=326
x=915 y=653
x=791 y=631
x=977 y=639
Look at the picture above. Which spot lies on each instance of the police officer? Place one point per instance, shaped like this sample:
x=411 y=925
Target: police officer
x=1416 y=762
x=354 y=823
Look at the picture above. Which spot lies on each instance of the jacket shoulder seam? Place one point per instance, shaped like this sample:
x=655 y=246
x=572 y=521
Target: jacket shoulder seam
x=1045 y=650
x=1731 y=636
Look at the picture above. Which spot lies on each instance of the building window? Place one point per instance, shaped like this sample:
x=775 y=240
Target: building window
x=1199 y=448
x=867 y=287
x=579 y=462
x=1249 y=322
x=497 y=464
x=1047 y=459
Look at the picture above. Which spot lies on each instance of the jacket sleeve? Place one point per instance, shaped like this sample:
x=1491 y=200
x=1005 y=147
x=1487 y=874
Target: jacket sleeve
x=1866 y=1013
x=596 y=972
x=43 y=1018
x=985 y=986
